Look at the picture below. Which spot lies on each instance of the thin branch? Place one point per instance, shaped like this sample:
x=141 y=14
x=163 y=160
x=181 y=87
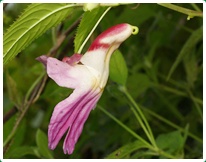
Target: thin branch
x=62 y=37
x=89 y=35
x=190 y=13
x=66 y=48
x=36 y=90
x=6 y=147
x=40 y=89
x=195 y=7
x=72 y=27
x=53 y=50
x=9 y=114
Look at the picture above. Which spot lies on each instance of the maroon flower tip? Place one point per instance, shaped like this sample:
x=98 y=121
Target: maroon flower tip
x=42 y=59
x=114 y=30
x=74 y=59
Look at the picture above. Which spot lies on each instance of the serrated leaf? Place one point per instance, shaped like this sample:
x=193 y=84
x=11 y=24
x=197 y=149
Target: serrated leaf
x=35 y=20
x=14 y=95
x=89 y=20
x=195 y=37
x=126 y=150
x=118 y=71
x=42 y=143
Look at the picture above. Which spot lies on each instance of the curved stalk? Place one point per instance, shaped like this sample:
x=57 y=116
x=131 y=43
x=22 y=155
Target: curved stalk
x=190 y=13
x=140 y=116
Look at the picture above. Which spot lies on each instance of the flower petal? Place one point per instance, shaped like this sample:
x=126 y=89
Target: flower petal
x=66 y=75
x=43 y=59
x=74 y=59
x=114 y=35
x=62 y=112
x=66 y=112
x=86 y=74
x=99 y=53
x=77 y=125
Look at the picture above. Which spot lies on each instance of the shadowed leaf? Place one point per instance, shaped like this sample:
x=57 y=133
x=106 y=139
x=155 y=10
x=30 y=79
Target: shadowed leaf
x=126 y=150
x=42 y=143
x=188 y=46
x=88 y=22
x=118 y=68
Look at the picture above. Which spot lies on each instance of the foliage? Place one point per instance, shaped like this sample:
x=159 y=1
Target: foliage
x=152 y=105
x=86 y=26
x=35 y=20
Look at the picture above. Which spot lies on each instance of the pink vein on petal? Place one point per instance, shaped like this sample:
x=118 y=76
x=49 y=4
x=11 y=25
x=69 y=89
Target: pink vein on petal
x=63 y=118
x=77 y=126
x=61 y=114
x=87 y=79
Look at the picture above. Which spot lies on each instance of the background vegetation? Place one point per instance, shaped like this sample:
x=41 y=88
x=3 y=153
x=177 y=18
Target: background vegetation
x=163 y=86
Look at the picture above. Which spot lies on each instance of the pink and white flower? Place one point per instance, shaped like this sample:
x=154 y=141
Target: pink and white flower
x=87 y=74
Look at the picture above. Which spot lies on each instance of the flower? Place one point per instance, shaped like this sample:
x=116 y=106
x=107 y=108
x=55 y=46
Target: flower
x=87 y=74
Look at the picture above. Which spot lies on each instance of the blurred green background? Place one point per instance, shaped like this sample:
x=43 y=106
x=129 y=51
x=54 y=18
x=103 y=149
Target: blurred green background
x=164 y=37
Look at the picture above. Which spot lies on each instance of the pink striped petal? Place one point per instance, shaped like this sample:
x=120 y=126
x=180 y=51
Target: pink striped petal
x=74 y=59
x=100 y=51
x=87 y=75
x=114 y=35
x=65 y=114
x=77 y=125
x=66 y=75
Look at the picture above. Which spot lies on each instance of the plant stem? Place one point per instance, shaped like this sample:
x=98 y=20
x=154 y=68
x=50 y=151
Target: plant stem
x=125 y=127
x=190 y=13
x=149 y=146
x=171 y=124
x=85 y=41
x=195 y=7
x=53 y=30
x=142 y=124
x=33 y=86
x=195 y=103
x=141 y=118
x=9 y=114
x=177 y=92
x=36 y=90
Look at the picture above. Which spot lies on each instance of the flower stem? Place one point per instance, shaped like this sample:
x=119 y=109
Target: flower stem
x=190 y=13
x=156 y=150
x=177 y=92
x=195 y=7
x=125 y=127
x=30 y=97
x=85 y=41
x=199 y=109
x=171 y=124
x=140 y=116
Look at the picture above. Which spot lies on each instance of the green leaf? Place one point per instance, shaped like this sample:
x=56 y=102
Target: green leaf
x=42 y=143
x=118 y=68
x=19 y=136
x=138 y=83
x=20 y=152
x=170 y=142
x=191 y=68
x=126 y=150
x=14 y=95
x=187 y=48
x=88 y=23
x=36 y=19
